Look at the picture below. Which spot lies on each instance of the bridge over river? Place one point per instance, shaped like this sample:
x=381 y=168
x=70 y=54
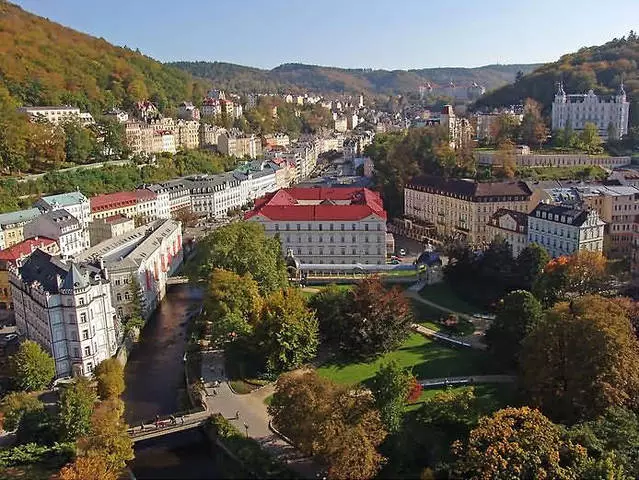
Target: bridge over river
x=167 y=426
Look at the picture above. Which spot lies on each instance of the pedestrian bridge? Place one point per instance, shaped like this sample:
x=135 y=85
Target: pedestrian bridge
x=167 y=426
x=176 y=280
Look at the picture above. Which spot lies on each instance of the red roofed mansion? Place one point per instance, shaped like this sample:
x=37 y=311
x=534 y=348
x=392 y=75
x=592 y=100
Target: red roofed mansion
x=326 y=225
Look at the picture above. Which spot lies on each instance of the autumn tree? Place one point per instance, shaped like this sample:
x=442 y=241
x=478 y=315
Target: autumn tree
x=109 y=374
x=92 y=467
x=13 y=134
x=390 y=387
x=135 y=315
x=14 y=405
x=45 y=145
x=340 y=426
x=533 y=128
x=77 y=402
x=243 y=247
x=518 y=443
x=517 y=314
x=504 y=128
x=581 y=359
x=286 y=332
x=506 y=158
x=378 y=319
x=108 y=437
x=33 y=368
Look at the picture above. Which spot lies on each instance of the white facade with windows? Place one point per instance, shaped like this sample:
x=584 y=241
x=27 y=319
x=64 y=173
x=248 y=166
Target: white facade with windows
x=63 y=227
x=66 y=308
x=565 y=230
x=73 y=202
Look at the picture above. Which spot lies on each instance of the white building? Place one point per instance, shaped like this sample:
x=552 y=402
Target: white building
x=150 y=254
x=512 y=226
x=66 y=308
x=61 y=226
x=565 y=230
x=58 y=115
x=325 y=225
x=73 y=202
x=118 y=115
x=162 y=207
x=215 y=195
x=610 y=116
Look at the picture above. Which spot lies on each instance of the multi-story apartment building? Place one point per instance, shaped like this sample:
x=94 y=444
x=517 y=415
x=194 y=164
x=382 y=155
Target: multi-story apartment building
x=160 y=202
x=188 y=134
x=66 y=308
x=257 y=179
x=179 y=195
x=238 y=144
x=215 y=195
x=609 y=115
x=149 y=138
x=105 y=228
x=276 y=140
x=63 y=227
x=209 y=134
x=459 y=129
x=510 y=225
x=565 y=230
x=58 y=115
x=148 y=254
x=211 y=107
x=340 y=124
x=146 y=205
x=16 y=256
x=462 y=208
x=110 y=204
x=325 y=225
x=12 y=225
x=188 y=111
x=73 y=202
x=116 y=114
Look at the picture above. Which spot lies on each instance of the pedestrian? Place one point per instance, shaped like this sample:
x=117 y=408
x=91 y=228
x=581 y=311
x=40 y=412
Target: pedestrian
x=182 y=419
x=214 y=392
x=237 y=415
x=173 y=422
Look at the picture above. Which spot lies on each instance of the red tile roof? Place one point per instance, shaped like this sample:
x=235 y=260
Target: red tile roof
x=110 y=201
x=144 y=195
x=25 y=248
x=285 y=204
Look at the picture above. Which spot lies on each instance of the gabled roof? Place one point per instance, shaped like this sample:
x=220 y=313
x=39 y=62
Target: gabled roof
x=571 y=216
x=25 y=248
x=63 y=199
x=75 y=279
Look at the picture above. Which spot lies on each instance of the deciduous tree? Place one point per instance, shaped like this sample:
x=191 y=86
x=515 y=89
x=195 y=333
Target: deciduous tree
x=77 y=402
x=517 y=314
x=286 y=333
x=589 y=139
x=109 y=374
x=505 y=157
x=33 y=368
x=581 y=359
x=530 y=265
x=330 y=305
x=533 y=128
x=14 y=405
x=518 y=443
x=230 y=293
x=84 y=467
x=390 y=388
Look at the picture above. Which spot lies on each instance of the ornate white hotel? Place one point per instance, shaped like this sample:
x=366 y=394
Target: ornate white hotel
x=577 y=110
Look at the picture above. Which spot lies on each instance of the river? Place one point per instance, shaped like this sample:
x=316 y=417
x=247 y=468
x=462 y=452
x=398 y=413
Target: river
x=155 y=385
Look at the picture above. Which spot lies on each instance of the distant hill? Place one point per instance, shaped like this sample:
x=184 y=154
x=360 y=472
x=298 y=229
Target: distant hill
x=600 y=68
x=297 y=77
x=42 y=62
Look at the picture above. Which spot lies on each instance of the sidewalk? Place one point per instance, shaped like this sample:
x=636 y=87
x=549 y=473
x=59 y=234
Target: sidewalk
x=252 y=414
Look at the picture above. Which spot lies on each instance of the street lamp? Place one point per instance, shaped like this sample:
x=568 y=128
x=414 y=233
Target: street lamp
x=246 y=427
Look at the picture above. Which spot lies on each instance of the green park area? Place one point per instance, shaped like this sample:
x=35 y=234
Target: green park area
x=442 y=294
x=426 y=358
x=491 y=396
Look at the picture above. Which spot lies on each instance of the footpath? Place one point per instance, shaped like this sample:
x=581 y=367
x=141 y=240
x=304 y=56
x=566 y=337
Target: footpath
x=253 y=418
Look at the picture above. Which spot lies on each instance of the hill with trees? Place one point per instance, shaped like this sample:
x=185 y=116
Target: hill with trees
x=298 y=78
x=42 y=62
x=600 y=68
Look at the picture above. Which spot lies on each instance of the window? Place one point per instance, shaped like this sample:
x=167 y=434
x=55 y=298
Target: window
x=299 y=227
x=90 y=367
x=353 y=239
x=81 y=300
x=366 y=227
x=277 y=227
x=126 y=281
x=354 y=226
x=299 y=251
x=120 y=311
x=342 y=227
x=127 y=296
x=117 y=281
x=87 y=350
x=320 y=227
x=85 y=334
x=119 y=297
x=76 y=352
x=310 y=239
x=83 y=318
x=331 y=227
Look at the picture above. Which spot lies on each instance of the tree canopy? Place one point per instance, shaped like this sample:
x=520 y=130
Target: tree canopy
x=109 y=374
x=33 y=368
x=77 y=402
x=390 y=387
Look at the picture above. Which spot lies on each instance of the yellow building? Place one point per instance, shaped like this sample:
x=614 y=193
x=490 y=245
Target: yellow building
x=12 y=225
x=462 y=208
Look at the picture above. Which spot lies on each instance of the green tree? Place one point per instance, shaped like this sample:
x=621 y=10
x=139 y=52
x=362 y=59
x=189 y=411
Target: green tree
x=518 y=443
x=390 y=387
x=330 y=306
x=243 y=247
x=135 y=313
x=286 y=333
x=77 y=402
x=530 y=265
x=581 y=359
x=230 y=293
x=14 y=405
x=13 y=134
x=517 y=314
x=589 y=139
x=505 y=157
x=109 y=374
x=114 y=144
x=504 y=129
x=80 y=142
x=33 y=368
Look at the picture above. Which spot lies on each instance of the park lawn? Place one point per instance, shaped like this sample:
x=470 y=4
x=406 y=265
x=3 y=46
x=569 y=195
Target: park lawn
x=426 y=358
x=492 y=396
x=442 y=294
x=562 y=173
x=425 y=314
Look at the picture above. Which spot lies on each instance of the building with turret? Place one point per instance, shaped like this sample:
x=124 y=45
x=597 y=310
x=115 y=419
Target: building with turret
x=66 y=308
x=610 y=115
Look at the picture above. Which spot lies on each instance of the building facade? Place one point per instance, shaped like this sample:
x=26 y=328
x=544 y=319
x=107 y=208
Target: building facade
x=66 y=308
x=105 y=228
x=12 y=225
x=63 y=227
x=325 y=225
x=73 y=202
x=512 y=226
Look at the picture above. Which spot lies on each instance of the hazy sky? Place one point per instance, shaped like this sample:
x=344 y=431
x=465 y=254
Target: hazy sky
x=349 y=33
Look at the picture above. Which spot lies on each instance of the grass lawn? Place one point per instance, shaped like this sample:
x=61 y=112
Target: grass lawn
x=443 y=295
x=492 y=396
x=561 y=173
x=428 y=359
x=426 y=315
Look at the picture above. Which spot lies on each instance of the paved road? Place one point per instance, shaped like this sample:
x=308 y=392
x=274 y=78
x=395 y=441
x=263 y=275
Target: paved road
x=252 y=413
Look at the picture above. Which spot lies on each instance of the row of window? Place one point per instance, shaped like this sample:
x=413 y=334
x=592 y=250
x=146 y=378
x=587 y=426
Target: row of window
x=342 y=251
x=331 y=239
x=320 y=227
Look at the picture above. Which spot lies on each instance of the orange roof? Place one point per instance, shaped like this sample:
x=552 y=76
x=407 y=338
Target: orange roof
x=110 y=201
x=25 y=248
